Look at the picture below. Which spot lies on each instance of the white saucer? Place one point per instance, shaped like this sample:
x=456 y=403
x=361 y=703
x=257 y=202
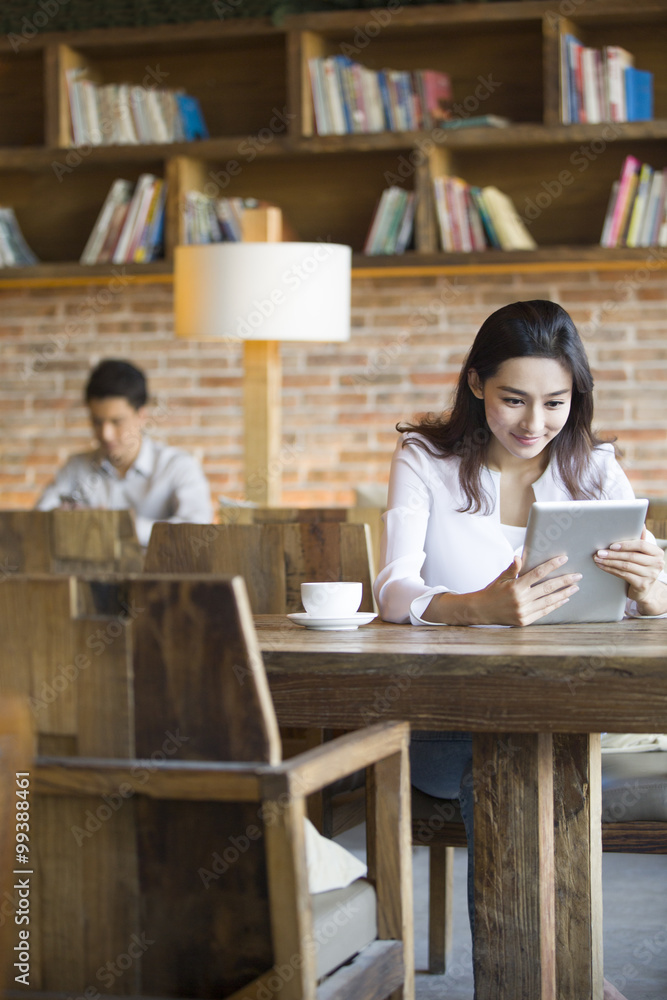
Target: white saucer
x=333 y=624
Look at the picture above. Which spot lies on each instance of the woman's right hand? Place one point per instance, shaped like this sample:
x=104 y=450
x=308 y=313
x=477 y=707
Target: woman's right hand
x=511 y=599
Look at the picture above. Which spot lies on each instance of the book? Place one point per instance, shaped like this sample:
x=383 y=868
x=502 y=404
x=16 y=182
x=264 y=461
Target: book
x=334 y=97
x=489 y=230
x=407 y=224
x=459 y=216
x=113 y=232
x=77 y=126
x=609 y=215
x=437 y=100
x=462 y=237
x=648 y=236
x=15 y=250
x=444 y=222
x=617 y=60
x=154 y=108
x=148 y=244
x=625 y=211
x=135 y=207
x=591 y=91
x=149 y=195
x=119 y=193
x=391 y=226
x=91 y=116
x=639 y=205
x=127 y=133
x=380 y=221
x=630 y=169
x=511 y=231
x=566 y=82
x=576 y=112
x=320 y=103
x=192 y=119
x=638 y=94
x=475 y=222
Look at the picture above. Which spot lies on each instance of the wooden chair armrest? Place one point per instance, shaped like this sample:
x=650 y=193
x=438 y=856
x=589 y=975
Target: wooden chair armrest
x=177 y=779
x=312 y=770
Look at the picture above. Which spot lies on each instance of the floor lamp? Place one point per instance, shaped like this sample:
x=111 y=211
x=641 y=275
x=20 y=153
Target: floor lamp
x=262 y=293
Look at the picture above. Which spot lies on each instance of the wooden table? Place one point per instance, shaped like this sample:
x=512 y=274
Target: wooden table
x=535 y=699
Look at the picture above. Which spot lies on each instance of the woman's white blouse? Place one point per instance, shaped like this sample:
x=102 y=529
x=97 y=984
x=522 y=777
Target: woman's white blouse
x=429 y=547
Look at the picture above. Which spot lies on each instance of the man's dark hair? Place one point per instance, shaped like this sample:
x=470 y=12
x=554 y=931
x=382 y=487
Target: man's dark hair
x=117 y=378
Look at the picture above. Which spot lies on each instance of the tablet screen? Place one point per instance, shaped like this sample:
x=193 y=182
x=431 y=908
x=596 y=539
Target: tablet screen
x=577 y=529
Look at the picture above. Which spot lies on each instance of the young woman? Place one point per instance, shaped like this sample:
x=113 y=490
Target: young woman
x=460 y=491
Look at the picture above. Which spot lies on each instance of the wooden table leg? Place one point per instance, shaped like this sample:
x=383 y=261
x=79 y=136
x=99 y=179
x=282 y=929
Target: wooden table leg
x=578 y=854
x=514 y=948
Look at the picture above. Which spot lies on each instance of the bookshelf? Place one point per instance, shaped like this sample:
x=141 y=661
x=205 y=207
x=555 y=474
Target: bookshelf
x=251 y=78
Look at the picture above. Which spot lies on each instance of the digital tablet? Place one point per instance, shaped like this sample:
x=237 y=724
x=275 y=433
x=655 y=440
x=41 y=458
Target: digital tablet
x=577 y=529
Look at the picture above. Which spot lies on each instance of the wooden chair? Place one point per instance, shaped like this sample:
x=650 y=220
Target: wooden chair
x=68 y=541
x=274 y=559
x=198 y=861
x=372 y=516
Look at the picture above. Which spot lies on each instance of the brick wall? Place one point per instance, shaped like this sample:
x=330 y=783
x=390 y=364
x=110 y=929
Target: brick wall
x=340 y=402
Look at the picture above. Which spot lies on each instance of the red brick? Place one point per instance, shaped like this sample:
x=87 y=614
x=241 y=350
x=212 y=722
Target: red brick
x=433 y=378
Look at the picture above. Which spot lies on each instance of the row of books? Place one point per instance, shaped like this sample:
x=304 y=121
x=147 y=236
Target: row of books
x=129 y=227
x=215 y=220
x=123 y=114
x=349 y=97
x=391 y=227
x=603 y=85
x=472 y=218
x=637 y=210
x=14 y=251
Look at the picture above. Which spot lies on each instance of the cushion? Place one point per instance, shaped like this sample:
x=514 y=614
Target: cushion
x=330 y=866
x=637 y=742
x=344 y=922
x=634 y=787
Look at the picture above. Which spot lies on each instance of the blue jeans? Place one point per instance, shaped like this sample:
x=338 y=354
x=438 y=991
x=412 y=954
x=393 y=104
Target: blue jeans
x=441 y=765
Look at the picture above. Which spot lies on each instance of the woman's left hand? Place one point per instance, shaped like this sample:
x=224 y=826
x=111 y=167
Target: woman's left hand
x=639 y=563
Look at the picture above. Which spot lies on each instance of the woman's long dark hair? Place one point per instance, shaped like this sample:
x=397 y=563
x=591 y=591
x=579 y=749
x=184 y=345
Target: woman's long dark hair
x=535 y=329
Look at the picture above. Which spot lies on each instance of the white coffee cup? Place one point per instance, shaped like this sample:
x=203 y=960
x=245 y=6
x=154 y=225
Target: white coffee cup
x=333 y=599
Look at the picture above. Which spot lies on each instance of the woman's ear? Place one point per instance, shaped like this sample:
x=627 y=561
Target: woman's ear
x=475 y=384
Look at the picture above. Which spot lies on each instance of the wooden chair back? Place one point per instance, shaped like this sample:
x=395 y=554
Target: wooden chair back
x=274 y=559
x=197 y=667
x=372 y=516
x=67 y=650
x=68 y=541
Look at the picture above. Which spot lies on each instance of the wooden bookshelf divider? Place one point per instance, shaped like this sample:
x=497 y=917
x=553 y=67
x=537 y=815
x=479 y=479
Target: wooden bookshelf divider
x=252 y=80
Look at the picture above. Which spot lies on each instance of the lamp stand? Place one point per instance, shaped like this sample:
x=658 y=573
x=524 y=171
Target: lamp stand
x=262 y=385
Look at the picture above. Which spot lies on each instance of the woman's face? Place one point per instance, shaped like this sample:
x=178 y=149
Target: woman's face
x=527 y=402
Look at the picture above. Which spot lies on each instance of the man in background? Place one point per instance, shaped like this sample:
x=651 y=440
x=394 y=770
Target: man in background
x=128 y=469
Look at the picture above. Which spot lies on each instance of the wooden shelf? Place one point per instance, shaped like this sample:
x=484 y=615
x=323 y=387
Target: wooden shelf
x=251 y=77
x=410 y=264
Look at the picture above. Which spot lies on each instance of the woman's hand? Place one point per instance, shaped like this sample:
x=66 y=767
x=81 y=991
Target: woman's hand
x=510 y=599
x=639 y=563
x=520 y=600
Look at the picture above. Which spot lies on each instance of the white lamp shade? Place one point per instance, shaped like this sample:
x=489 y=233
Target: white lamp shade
x=262 y=291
